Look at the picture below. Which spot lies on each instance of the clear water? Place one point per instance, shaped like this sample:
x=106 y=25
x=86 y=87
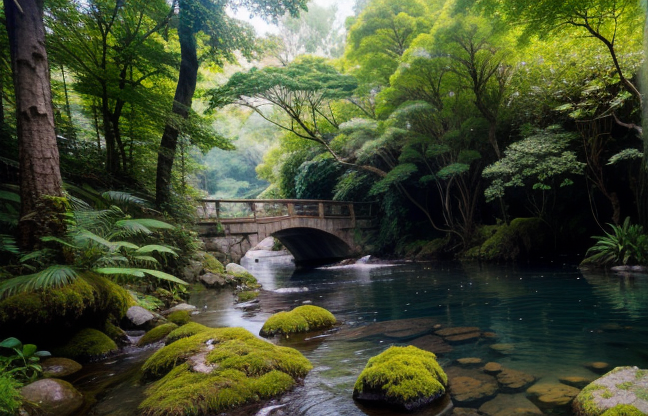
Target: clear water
x=557 y=318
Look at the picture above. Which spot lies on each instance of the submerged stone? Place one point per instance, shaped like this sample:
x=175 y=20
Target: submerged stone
x=469 y=361
x=53 y=397
x=470 y=387
x=492 y=368
x=463 y=338
x=552 y=397
x=403 y=377
x=505 y=349
x=598 y=367
x=415 y=327
x=447 y=332
x=513 y=381
x=575 y=381
x=432 y=343
x=510 y=405
x=621 y=386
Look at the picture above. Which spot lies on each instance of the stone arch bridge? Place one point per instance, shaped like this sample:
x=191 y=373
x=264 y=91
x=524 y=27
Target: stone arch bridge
x=314 y=231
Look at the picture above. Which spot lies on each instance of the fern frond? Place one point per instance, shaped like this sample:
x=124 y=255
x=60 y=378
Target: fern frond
x=134 y=272
x=124 y=199
x=53 y=276
x=150 y=248
x=142 y=225
x=8 y=244
x=10 y=196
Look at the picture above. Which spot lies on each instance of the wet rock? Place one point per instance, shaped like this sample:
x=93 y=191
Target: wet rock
x=489 y=335
x=57 y=367
x=191 y=272
x=432 y=343
x=54 y=397
x=470 y=388
x=213 y=280
x=492 y=368
x=469 y=361
x=466 y=411
x=505 y=349
x=463 y=338
x=235 y=269
x=180 y=307
x=448 y=332
x=139 y=317
x=416 y=326
x=552 y=397
x=599 y=367
x=248 y=306
x=510 y=405
x=621 y=386
x=513 y=381
x=575 y=381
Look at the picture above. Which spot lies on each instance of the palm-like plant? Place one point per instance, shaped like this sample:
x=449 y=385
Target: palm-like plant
x=626 y=244
x=106 y=241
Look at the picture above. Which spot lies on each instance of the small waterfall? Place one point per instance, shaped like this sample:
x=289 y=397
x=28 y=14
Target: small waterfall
x=364 y=260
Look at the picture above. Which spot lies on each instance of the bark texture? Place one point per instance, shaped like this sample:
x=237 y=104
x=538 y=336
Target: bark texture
x=38 y=154
x=181 y=106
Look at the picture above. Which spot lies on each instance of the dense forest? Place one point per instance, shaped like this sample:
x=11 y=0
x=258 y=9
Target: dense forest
x=486 y=130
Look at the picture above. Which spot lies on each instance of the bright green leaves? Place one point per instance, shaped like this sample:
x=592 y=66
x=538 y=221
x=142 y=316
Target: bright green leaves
x=537 y=161
x=395 y=176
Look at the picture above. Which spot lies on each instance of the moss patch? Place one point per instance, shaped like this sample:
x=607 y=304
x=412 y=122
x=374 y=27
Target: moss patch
x=247 y=295
x=87 y=344
x=402 y=375
x=523 y=237
x=185 y=331
x=156 y=334
x=212 y=265
x=179 y=317
x=433 y=249
x=243 y=369
x=301 y=319
x=10 y=398
x=623 y=410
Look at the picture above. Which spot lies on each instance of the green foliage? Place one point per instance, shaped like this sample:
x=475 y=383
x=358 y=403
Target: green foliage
x=10 y=398
x=626 y=154
x=156 y=334
x=316 y=179
x=395 y=176
x=522 y=238
x=19 y=361
x=626 y=244
x=301 y=319
x=403 y=374
x=185 y=331
x=623 y=410
x=87 y=344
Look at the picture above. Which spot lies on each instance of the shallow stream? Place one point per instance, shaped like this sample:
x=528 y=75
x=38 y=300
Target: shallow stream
x=554 y=320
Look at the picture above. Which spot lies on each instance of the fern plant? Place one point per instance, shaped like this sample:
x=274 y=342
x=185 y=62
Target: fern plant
x=106 y=241
x=626 y=244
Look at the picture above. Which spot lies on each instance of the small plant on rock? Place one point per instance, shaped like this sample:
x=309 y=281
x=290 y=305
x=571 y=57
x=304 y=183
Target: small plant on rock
x=626 y=244
x=20 y=361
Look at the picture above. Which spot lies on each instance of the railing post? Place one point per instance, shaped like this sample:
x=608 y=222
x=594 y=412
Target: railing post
x=291 y=209
x=253 y=209
x=321 y=209
x=217 y=203
x=352 y=213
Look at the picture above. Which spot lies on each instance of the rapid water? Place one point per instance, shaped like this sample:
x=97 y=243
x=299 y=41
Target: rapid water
x=556 y=319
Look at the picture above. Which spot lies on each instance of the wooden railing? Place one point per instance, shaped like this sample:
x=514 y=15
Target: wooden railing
x=231 y=210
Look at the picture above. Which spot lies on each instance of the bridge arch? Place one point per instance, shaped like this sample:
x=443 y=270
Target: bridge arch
x=313 y=231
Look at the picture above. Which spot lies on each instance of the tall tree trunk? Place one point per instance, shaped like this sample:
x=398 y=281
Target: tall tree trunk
x=181 y=106
x=40 y=175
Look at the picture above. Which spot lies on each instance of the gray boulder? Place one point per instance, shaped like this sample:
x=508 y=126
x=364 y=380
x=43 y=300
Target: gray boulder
x=213 y=280
x=58 y=367
x=236 y=269
x=54 y=397
x=623 y=386
x=180 y=307
x=139 y=317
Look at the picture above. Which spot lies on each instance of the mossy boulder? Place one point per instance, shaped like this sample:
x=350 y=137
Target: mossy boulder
x=522 y=239
x=211 y=265
x=179 y=317
x=86 y=345
x=623 y=389
x=623 y=410
x=185 y=331
x=44 y=315
x=156 y=334
x=218 y=369
x=403 y=377
x=301 y=319
x=433 y=249
x=246 y=295
x=242 y=276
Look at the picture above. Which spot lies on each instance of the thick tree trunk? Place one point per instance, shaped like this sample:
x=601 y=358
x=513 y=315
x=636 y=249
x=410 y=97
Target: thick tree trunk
x=181 y=106
x=38 y=154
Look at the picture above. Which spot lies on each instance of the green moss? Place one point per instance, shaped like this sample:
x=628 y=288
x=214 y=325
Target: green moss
x=10 y=399
x=212 y=265
x=584 y=402
x=623 y=410
x=114 y=332
x=403 y=374
x=88 y=295
x=433 y=249
x=245 y=370
x=624 y=386
x=607 y=394
x=87 y=344
x=302 y=319
x=247 y=295
x=179 y=317
x=156 y=334
x=185 y=331
x=523 y=236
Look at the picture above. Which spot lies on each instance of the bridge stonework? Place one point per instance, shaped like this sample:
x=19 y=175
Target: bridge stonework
x=313 y=231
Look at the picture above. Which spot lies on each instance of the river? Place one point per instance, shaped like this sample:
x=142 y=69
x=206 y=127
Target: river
x=553 y=319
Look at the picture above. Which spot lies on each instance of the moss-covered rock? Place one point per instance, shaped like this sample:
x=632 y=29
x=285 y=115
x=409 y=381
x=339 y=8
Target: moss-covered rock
x=623 y=388
x=623 y=410
x=301 y=319
x=403 y=377
x=211 y=265
x=115 y=333
x=433 y=249
x=156 y=334
x=242 y=276
x=523 y=238
x=185 y=331
x=246 y=295
x=179 y=317
x=87 y=344
x=37 y=316
x=218 y=369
